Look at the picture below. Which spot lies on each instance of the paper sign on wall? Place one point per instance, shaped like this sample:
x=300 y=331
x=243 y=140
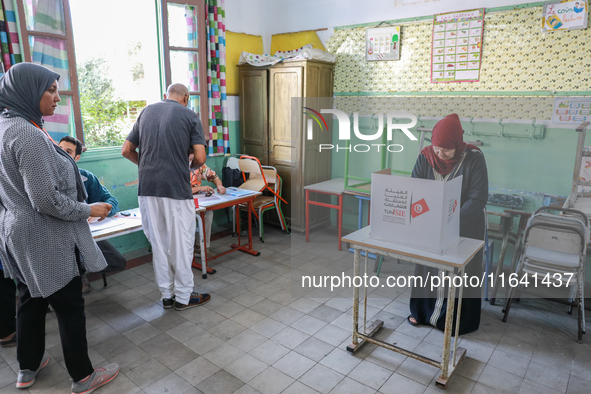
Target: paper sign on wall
x=565 y=16
x=571 y=111
x=418 y=212
x=456 y=49
x=382 y=43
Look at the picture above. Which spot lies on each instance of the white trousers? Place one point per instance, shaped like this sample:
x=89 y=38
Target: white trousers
x=169 y=226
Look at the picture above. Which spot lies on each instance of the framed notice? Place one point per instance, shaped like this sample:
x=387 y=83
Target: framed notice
x=382 y=43
x=568 y=15
x=456 y=49
x=571 y=110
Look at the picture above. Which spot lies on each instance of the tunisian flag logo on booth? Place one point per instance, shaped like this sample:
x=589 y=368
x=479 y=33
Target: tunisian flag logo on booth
x=418 y=208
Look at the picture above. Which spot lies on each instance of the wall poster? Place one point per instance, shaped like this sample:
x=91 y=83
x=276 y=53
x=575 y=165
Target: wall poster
x=456 y=49
x=568 y=15
x=571 y=110
x=382 y=43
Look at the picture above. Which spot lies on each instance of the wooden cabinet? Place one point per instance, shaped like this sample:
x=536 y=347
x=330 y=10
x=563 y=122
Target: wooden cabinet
x=268 y=99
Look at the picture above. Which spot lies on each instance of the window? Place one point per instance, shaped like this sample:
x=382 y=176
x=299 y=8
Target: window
x=115 y=70
x=117 y=64
x=47 y=40
x=185 y=56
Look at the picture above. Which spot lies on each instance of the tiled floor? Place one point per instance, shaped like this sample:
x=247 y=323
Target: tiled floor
x=258 y=336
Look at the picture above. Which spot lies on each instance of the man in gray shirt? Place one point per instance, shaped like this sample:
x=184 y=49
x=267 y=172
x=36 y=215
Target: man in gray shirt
x=164 y=132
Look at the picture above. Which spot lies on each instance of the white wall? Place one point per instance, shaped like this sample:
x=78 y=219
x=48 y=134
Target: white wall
x=283 y=16
x=247 y=16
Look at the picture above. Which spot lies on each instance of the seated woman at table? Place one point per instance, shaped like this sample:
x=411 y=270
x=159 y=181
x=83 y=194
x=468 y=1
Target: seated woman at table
x=205 y=174
x=448 y=157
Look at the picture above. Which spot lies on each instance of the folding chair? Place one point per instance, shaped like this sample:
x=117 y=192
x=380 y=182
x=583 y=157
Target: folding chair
x=556 y=244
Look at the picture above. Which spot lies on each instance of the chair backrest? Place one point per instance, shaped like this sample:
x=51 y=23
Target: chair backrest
x=274 y=181
x=257 y=180
x=559 y=233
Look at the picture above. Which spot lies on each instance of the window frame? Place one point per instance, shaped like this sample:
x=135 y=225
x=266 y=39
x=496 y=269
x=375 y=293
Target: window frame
x=201 y=51
x=68 y=37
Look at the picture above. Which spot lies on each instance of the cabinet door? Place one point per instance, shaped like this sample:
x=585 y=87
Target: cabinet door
x=284 y=83
x=253 y=114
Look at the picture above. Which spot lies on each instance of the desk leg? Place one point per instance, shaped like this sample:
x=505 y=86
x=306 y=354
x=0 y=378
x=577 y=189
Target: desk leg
x=339 y=221
x=247 y=248
x=307 y=216
x=446 y=369
x=376 y=325
x=506 y=228
x=203 y=266
x=360 y=218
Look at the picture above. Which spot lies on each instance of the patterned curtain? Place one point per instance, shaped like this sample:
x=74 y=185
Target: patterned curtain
x=48 y=16
x=9 y=41
x=219 y=141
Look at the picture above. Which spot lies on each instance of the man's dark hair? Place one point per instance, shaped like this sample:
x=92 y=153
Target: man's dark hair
x=75 y=141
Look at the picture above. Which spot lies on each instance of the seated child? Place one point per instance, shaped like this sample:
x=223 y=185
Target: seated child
x=205 y=174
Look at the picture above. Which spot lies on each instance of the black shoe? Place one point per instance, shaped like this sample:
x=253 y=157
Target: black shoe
x=168 y=303
x=195 y=300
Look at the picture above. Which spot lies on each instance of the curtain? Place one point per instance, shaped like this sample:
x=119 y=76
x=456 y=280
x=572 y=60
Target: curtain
x=48 y=16
x=9 y=42
x=219 y=142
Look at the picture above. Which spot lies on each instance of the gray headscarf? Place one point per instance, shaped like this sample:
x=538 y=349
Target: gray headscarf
x=21 y=89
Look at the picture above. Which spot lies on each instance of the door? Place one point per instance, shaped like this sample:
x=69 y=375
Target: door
x=284 y=84
x=253 y=114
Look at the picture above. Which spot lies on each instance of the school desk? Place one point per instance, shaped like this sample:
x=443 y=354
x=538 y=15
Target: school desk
x=452 y=262
x=234 y=196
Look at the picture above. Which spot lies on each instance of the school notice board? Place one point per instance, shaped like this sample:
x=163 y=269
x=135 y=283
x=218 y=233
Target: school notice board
x=456 y=50
x=571 y=110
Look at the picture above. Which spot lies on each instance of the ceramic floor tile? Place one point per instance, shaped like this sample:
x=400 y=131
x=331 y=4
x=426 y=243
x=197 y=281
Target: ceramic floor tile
x=168 y=384
x=349 y=386
x=246 y=368
x=271 y=381
x=294 y=365
x=370 y=374
x=220 y=383
x=401 y=384
x=197 y=370
x=321 y=378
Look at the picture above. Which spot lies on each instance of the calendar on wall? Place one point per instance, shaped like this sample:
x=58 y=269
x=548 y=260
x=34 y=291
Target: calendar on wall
x=456 y=49
x=382 y=43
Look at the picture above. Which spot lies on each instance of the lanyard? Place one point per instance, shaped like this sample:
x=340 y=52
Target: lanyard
x=46 y=133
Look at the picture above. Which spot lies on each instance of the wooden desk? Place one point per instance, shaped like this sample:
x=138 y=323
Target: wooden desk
x=233 y=196
x=453 y=262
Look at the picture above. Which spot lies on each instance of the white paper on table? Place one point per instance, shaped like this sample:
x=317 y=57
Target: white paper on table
x=104 y=224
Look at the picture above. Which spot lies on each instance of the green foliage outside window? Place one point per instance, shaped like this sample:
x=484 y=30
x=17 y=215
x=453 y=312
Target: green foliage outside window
x=103 y=114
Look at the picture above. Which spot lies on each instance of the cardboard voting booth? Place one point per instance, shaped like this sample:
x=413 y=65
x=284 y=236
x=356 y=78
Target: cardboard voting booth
x=417 y=212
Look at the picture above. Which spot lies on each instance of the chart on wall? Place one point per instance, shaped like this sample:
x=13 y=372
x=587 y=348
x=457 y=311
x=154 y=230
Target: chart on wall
x=382 y=43
x=571 y=111
x=456 y=49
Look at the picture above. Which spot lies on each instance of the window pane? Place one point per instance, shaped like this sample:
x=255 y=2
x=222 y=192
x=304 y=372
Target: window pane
x=46 y=16
x=182 y=25
x=194 y=104
x=61 y=123
x=184 y=68
x=52 y=54
x=118 y=72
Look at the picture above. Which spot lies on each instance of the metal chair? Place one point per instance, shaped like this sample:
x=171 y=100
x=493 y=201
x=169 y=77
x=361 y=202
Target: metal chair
x=555 y=246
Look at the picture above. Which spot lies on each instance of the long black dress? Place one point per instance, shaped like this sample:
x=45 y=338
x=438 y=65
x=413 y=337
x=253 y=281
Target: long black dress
x=429 y=307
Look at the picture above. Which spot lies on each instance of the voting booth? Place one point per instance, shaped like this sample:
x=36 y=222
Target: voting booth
x=416 y=212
